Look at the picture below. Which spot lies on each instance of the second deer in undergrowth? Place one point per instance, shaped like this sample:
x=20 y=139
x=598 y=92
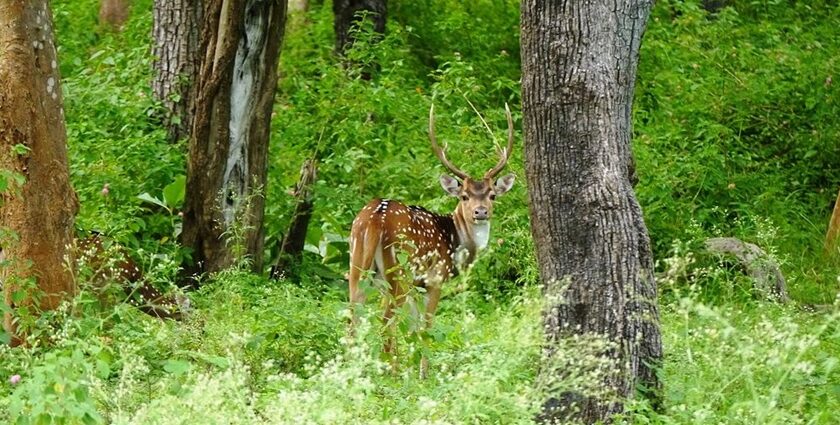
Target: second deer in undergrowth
x=435 y=246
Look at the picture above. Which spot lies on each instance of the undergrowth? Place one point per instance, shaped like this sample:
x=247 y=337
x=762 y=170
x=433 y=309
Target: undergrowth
x=734 y=136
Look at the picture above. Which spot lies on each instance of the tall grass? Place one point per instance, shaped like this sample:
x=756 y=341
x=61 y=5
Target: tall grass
x=734 y=136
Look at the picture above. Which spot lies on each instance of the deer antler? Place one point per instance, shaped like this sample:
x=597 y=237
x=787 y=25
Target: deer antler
x=504 y=152
x=440 y=153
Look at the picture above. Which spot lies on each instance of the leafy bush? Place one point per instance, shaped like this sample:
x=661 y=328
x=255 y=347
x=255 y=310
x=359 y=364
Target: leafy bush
x=117 y=148
x=734 y=136
x=725 y=364
x=55 y=391
x=743 y=126
x=371 y=135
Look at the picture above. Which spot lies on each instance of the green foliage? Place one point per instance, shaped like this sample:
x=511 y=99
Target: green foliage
x=55 y=391
x=371 y=135
x=731 y=365
x=742 y=126
x=172 y=195
x=734 y=136
x=11 y=181
x=114 y=135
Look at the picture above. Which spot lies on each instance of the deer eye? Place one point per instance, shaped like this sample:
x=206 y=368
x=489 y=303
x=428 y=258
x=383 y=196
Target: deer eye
x=465 y=198
x=492 y=196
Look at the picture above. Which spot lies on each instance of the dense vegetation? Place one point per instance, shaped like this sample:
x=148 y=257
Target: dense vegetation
x=735 y=134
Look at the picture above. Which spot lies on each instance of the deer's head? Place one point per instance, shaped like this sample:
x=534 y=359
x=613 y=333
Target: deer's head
x=476 y=196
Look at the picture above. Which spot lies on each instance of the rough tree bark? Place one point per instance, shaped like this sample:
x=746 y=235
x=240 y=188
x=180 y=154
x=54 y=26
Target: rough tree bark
x=346 y=19
x=579 y=63
x=226 y=166
x=42 y=211
x=176 y=42
x=113 y=13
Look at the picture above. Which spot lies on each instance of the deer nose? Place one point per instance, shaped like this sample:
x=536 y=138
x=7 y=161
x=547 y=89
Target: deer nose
x=480 y=213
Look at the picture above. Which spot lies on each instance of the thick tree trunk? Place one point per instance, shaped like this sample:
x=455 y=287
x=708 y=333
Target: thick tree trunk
x=346 y=19
x=113 y=13
x=226 y=169
x=41 y=212
x=579 y=64
x=176 y=43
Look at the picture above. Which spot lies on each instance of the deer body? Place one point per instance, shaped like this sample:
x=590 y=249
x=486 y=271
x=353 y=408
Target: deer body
x=436 y=246
x=110 y=263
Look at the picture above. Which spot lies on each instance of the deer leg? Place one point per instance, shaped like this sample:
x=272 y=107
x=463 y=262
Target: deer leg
x=362 y=253
x=393 y=301
x=432 y=298
x=396 y=298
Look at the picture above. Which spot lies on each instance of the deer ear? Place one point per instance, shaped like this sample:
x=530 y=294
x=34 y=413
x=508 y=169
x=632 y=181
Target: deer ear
x=503 y=184
x=450 y=185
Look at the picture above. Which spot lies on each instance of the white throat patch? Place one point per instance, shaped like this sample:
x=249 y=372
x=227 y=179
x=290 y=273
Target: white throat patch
x=481 y=234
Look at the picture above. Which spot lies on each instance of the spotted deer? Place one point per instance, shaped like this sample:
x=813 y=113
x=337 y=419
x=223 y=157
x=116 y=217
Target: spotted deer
x=109 y=263
x=436 y=246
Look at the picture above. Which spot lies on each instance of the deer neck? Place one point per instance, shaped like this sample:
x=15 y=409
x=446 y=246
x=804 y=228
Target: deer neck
x=472 y=236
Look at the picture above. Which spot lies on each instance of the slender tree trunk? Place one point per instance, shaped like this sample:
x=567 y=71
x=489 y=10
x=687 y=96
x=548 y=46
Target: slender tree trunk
x=346 y=19
x=33 y=145
x=176 y=43
x=114 y=13
x=291 y=246
x=579 y=64
x=226 y=169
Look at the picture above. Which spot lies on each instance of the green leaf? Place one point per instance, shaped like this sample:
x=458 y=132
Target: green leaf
x=313 y=237
x=20 y=149
x=18 y=296
x=103 y=369
x=177 y=367
x=173 y=193
x=220 y=362
x=152 y=200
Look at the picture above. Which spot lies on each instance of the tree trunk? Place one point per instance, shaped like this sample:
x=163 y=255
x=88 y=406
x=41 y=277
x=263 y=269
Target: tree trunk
x=40 y=213
x=291 y=247
x=579 y=64
x=346 y=19
x=226 y=168
x=176 y=42
x=113 y=13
